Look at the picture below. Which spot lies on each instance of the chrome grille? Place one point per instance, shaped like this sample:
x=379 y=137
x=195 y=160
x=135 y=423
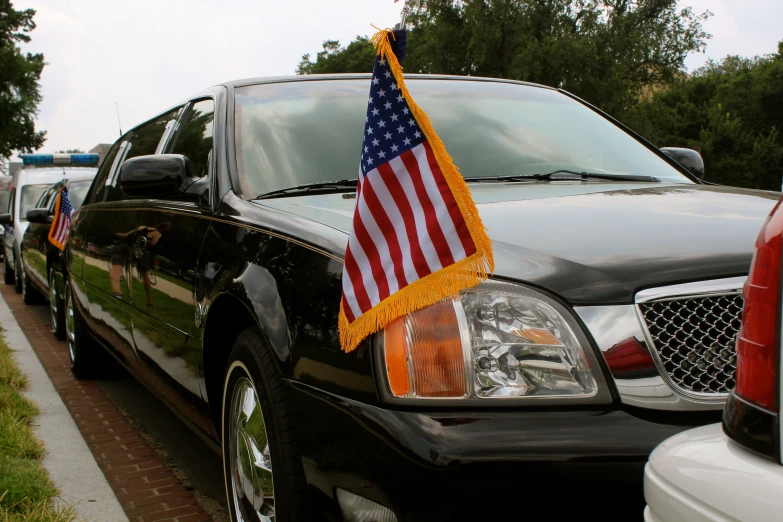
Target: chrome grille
x=694 y=338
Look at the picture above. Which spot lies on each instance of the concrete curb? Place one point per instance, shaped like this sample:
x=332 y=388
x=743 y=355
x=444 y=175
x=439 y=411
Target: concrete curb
x=69 y=461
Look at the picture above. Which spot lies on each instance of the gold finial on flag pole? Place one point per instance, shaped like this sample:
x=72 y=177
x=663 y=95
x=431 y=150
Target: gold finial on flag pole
x=409 y=5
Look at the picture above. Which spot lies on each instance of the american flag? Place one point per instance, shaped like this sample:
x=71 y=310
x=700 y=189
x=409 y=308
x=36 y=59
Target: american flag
x=408 y=224
x=62 y=220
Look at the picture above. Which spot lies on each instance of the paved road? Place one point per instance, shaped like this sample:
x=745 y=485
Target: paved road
x=188 y=454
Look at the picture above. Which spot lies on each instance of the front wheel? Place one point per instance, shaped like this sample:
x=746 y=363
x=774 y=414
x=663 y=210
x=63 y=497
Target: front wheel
x=18 y=273
x=30 y=294
x=257 y=435
x=86 y=357
x=56 y=307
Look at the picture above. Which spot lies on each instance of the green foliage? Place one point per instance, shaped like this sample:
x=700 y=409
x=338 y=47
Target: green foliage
x=606 y=51
x=25 y=488
x=19 y=76
x=731 y=111
x=357 y=57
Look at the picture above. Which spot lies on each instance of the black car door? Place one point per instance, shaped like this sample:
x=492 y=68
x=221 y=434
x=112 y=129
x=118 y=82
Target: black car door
x=109 y=228
x=163 y=263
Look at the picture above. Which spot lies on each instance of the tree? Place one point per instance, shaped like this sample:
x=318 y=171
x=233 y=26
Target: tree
x=19 y=76
x=608 y=52
x=731 y=111
x=333 y=58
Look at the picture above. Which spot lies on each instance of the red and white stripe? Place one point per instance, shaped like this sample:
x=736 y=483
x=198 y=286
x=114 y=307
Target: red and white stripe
x=407 y=225
x=61 y=227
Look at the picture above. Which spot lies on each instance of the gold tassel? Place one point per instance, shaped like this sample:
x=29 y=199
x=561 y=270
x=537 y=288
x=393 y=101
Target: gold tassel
x=52 y=240
x=448 y=281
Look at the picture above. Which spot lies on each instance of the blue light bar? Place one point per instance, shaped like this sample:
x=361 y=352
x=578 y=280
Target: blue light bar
x=60 y=159
x=84 y=159
x=37 y=159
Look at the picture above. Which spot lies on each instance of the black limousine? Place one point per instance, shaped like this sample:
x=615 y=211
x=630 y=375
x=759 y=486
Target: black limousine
x=207 y=259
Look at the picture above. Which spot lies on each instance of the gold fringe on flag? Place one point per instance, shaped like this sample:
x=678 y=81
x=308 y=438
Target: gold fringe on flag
x=52 y=239
x=449 y=280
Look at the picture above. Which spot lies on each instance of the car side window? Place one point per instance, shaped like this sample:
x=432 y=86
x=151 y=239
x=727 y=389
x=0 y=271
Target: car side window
x=145 y=138
x=51 y=197
x=97 y=190
x=46 y=198
x=194 y=138
x=141 y=141
x=12 y=202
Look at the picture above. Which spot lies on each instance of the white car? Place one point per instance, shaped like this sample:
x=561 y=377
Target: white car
x=39 y=171
x=734 y=471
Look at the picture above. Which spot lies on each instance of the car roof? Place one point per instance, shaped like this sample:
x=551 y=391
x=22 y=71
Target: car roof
x=80 y=176
x=50 y=172
x=51 y=175
x=367 y=76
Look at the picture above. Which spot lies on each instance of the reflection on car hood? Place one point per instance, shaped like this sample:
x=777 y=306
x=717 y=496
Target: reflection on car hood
x=599 y=243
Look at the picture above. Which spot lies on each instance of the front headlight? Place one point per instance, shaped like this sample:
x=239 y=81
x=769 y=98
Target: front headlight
x=497 y=340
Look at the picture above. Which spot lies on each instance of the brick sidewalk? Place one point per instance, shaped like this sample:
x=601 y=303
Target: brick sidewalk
x=147 y=489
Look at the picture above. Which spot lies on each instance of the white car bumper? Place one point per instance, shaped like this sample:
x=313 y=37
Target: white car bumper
x=701 y=475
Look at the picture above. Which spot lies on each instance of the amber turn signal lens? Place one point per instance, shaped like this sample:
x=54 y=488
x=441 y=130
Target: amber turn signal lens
x=425 y=355
x=397 y=358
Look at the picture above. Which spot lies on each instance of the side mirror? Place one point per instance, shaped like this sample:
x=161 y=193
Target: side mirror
x=688 y=158
x=159 y=176
x=6 y=219
x=39 y=215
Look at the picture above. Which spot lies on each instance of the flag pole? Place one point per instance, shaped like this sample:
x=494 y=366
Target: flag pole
x=406 y=11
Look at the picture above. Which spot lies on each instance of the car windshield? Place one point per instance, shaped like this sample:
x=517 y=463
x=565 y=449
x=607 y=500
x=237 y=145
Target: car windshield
x=77 y=191
x=30 y=196
x=296 y=133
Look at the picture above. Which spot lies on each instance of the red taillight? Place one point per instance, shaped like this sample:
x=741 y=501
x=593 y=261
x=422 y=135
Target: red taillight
x=758 y=339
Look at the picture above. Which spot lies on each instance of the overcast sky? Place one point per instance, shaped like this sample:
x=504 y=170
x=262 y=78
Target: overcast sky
x=148 y=54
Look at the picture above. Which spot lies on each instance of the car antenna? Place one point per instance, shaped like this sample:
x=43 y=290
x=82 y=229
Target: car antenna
x=118 y=117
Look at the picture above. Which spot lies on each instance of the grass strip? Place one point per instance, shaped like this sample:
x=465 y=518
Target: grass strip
x=25 y=487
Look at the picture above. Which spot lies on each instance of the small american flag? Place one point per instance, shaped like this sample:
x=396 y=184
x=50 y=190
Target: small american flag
x=416 y=236
x=63 y=212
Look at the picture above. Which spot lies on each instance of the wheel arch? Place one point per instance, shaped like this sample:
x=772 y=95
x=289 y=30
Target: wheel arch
x=226 y=318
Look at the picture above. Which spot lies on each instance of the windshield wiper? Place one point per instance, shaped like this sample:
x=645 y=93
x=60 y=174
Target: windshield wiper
x=574 y=176
x=323 y=187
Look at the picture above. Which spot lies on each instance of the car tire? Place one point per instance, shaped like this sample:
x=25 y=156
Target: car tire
x=56 y=308
x=86 y=357
x=30 y=294
x=17 y=273
x=253 y=382
x=8 y=272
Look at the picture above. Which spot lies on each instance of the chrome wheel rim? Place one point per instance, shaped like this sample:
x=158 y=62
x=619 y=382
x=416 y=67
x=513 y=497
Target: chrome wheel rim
x=69 y=326
x=18 y=272
x=53 y=302
x=24 y=284
x=249 y=459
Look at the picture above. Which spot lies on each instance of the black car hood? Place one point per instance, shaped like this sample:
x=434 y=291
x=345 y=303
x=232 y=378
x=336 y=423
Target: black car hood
x=600 y=242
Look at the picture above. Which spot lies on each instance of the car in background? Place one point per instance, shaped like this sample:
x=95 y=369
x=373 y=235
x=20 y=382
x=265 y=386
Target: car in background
x=43 y=272
x=39 y=172
x=208 y=259
x=5 y=198
x=734 y=472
